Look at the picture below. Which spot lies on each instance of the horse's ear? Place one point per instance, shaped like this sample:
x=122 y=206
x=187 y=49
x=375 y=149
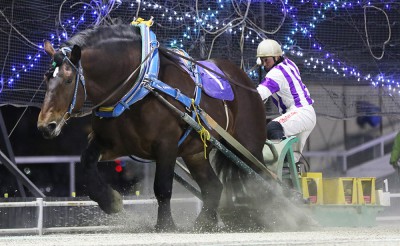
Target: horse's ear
x=75 y=54
x=48 y=48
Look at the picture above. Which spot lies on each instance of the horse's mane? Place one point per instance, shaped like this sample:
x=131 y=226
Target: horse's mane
x=91 y=36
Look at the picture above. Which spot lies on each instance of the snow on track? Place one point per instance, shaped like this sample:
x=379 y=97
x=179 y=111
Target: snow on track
x=379 y=235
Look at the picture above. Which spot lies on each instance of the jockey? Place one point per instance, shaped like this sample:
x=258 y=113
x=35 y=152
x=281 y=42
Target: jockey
x=283 y=84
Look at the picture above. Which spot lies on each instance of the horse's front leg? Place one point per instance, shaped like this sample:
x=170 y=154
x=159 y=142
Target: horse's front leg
x=109 y=200
x=165 y=163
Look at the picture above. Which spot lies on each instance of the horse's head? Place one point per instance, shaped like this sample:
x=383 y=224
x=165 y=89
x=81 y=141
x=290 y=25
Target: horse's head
x=62 y=95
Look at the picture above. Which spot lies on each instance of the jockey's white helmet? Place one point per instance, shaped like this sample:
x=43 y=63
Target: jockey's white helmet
x=268 y=47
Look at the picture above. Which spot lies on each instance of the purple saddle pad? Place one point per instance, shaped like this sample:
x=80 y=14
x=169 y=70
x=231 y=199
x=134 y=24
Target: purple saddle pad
x=214 y=85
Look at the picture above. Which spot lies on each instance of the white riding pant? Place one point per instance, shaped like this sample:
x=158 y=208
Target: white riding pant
x=298 y=122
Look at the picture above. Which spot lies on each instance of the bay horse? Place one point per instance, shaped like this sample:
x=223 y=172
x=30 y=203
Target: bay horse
x=94 y=63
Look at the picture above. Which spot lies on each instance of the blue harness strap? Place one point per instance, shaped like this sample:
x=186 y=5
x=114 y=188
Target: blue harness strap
x=193 y=71
x=173 y=92
x=177 y=95
x=148 y=67
x=149 y=75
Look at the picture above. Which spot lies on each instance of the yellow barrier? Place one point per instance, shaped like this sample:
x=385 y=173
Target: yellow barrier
x=311 y=186
x=340 y=190
x=366 y=191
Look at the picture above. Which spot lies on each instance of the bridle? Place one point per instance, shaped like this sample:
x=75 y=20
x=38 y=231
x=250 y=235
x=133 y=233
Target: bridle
x=79 y=79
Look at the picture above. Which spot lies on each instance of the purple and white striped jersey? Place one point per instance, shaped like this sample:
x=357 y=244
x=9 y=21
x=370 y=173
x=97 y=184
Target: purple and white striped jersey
x=284 y=83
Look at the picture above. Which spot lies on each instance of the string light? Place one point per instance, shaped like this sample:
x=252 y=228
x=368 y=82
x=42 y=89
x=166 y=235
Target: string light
x=324 y=61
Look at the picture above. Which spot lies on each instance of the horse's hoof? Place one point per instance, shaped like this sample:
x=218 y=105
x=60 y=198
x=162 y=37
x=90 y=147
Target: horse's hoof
x=171 y=227
x=110 y=201
x=206 y=222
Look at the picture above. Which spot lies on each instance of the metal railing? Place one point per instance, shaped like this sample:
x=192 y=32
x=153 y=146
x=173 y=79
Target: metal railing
x=70 y=160
x=344 y=154
x=40 y=204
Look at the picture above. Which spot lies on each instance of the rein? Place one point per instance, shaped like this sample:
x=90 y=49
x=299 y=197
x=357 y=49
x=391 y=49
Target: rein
x=206 y=68
x=125 y=82
x=88 y=112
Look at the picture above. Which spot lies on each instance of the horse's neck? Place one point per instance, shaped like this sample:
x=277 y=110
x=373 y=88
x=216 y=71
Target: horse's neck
x=105 y=72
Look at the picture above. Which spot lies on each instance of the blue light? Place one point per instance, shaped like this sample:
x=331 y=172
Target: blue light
x=307 y=27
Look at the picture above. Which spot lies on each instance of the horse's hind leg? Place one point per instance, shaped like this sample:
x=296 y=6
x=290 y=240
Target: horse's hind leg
x=109 y=200
x=210 y=187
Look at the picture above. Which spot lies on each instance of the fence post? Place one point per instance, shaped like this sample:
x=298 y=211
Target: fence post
x=40 y=215
x=344 y=167
x=71 y=179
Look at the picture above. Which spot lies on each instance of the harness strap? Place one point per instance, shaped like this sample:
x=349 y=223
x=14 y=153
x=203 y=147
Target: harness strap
x=167 y=89
x=206 y=68
x=189 y=103
x=204 y=134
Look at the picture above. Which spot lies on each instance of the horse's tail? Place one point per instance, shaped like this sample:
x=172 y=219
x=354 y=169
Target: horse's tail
x=229 y=175
x=246 y=203
x=240 y=194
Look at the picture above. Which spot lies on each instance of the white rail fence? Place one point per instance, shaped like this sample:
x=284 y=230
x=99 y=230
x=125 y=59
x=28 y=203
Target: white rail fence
x=40 y=204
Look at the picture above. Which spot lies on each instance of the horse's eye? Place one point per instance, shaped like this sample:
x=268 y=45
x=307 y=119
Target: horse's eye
x=55 y=72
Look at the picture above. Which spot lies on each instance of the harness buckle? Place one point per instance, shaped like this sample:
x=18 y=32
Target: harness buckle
x=178 y=93
x=66 y=117
x=154 y=44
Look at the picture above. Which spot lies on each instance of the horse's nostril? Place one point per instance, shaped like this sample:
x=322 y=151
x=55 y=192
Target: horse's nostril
x=51 y=127
x=47 y=130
